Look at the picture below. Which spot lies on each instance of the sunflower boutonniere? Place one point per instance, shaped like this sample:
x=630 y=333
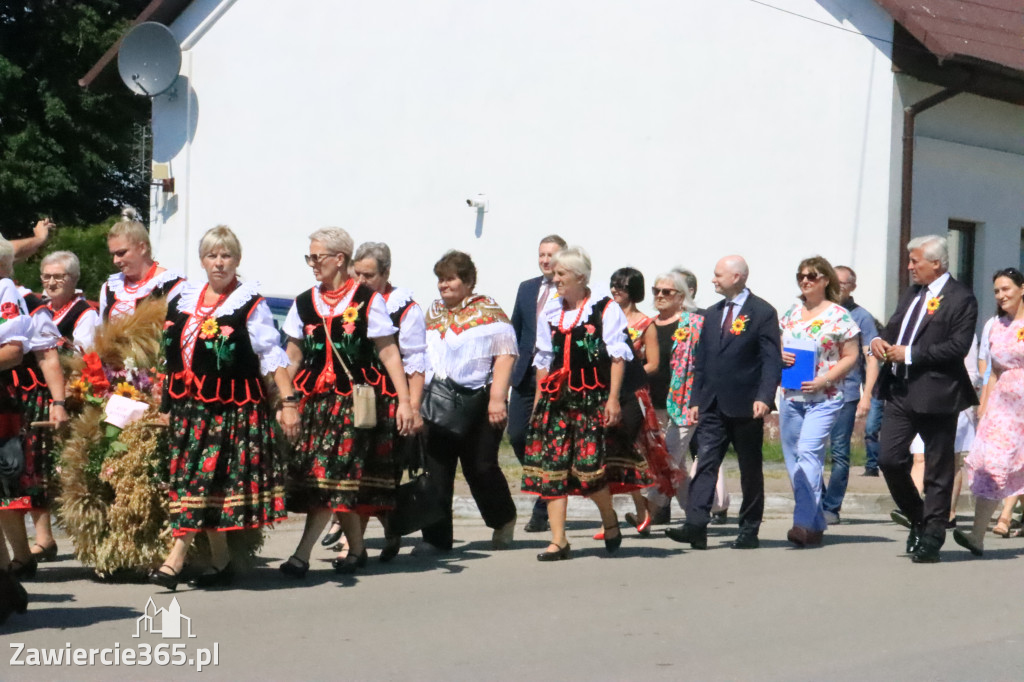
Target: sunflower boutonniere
x=933 y=304
x=1020 y=334
x=739 y=325
x=681 y=334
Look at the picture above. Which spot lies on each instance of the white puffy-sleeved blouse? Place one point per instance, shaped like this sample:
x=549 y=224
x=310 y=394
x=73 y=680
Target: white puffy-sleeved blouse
x=412 y=329
x=462 y=343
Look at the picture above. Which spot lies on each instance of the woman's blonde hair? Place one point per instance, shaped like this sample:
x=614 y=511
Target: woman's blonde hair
x=131 y=229
x=336 y=240
x=220 y=237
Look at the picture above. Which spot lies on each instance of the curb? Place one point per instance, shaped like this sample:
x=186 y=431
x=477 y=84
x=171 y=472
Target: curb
x=464 y=507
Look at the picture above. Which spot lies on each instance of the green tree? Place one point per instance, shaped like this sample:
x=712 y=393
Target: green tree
x=65 y=152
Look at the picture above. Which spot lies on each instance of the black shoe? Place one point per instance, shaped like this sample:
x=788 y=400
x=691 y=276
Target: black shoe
x=871 y=472
x=214 y=577
x=951 y=524
x=964 y=540
x=747 y=539
x=663 y=516
x=294 y=567
x=22 y=569
x=349 y=564
x=927 y=551
x=537 y=524
x=719 y=518
x=613 y=544
x=48 y=553
x=168 y=581
x=12 y=594
x=913 y=541
x=561 y=554
x=695 y=535
x=899 y=517
x=332 y=538
x=392 y=543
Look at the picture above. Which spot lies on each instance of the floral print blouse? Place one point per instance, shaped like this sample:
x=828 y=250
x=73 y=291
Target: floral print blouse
x=828 y=330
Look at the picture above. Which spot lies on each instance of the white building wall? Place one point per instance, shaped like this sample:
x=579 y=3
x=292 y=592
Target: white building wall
x=653 y=133
x=969 y=165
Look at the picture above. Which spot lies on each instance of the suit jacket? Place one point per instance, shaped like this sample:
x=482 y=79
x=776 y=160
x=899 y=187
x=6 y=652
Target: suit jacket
x=738 y=369
x=937 y=380
x=524 y=323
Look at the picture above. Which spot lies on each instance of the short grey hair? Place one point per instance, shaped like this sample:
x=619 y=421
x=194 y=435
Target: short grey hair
x=933 y=247
x=335 y=239
x=575 y=260
x=691 y=279
x=6 y=255
x=378 y=251
x=65 y=258
x=678 y=280
x=847 y=268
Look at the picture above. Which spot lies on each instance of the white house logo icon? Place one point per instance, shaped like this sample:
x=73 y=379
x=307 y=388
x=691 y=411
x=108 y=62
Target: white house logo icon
x=169 y=619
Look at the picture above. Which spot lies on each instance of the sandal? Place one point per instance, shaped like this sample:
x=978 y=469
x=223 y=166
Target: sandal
x=46 y=553
x=1001 y=529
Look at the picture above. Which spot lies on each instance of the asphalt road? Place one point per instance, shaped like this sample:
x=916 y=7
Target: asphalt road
x=854 y=609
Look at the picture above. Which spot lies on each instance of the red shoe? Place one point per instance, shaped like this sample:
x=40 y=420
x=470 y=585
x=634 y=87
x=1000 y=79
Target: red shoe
x=599 y=535
x=643 y=528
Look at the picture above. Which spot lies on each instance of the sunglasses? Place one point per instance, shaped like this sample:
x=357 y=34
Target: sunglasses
x=318 y=258
x=809 y=276
x=656 y=291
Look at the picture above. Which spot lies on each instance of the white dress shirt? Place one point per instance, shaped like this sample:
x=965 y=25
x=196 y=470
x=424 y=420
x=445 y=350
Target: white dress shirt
x=930 y=291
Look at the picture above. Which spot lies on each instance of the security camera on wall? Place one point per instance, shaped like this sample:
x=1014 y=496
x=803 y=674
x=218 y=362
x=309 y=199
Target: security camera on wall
x=479 y=202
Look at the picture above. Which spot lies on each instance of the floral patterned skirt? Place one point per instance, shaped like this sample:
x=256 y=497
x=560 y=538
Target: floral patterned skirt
x=663 y=471
x=32 y=488
x=338 y=466
x=570 y=452
x=224 y=469
x=626 y=467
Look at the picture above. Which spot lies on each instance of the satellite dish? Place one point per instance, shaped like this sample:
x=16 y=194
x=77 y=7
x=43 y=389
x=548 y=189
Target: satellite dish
x=149 y=59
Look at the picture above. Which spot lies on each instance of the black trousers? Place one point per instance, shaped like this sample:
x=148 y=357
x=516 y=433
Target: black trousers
x=715 y=432
x=477 y=450
x=520 y=407
x=938 y=431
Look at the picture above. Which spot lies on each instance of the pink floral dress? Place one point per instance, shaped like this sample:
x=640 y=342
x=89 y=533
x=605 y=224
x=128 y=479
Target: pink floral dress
x=995 y=467
x=828 y=331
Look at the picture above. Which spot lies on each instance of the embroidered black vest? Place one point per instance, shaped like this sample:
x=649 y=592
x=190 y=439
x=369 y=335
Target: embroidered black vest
x=225 y=368
x=349 y=334
x=159 y=291
x=66 y=326
x=589 y=363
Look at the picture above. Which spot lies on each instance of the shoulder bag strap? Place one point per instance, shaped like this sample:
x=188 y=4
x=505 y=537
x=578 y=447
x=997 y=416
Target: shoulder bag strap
x=330 y=342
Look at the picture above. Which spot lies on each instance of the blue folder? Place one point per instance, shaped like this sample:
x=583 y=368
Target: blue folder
x=800 y=371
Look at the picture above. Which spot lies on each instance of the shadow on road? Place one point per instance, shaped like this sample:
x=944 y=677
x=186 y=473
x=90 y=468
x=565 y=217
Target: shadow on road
x=39 y=617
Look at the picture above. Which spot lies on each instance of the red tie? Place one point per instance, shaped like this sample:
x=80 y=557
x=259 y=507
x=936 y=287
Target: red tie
x=727 y=324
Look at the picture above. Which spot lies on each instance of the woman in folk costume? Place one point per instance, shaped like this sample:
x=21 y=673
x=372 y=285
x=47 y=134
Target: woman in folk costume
x=371 y=266
x=583 y=420
x=29 y=381
x=140 y=277
x=220 y=342
x=342 y=342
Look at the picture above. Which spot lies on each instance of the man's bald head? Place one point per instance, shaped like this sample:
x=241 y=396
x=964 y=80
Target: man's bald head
x=730 y=275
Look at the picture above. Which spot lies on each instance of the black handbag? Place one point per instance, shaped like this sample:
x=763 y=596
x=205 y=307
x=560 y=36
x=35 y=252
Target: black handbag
x=12 y=465
x=453 y=408
x=419 y=502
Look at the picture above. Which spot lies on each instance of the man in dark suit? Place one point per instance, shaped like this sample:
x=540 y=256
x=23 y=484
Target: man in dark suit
x=533 y=297
x=737 y=370
x=925 y=386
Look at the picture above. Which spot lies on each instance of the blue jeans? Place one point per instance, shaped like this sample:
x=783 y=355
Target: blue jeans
x=839 y=445
x=873 y=427
x=804 y=428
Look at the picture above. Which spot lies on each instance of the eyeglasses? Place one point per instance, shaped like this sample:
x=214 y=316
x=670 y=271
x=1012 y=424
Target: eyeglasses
x=657 y=291
x=57 y=279
x=809 y=276
x=318 y=258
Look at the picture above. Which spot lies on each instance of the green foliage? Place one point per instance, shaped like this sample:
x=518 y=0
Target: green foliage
x=65 y=152
x=88 y=243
